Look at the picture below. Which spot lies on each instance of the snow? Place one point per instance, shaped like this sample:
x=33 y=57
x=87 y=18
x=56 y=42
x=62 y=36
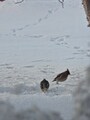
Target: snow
x=8 y=112
x=39 y=39
x=82 y=99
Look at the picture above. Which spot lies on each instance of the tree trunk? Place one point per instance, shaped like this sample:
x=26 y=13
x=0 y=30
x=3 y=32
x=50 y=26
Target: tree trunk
x=86 y=5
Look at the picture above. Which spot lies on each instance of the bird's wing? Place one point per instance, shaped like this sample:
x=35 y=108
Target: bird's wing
x=59 y=75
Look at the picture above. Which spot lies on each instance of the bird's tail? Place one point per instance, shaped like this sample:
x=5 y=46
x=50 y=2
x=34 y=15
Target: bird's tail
x=54 y=80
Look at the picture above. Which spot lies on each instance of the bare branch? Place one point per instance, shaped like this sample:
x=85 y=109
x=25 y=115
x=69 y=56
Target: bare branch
x=62 y=2
x=2 y=0
x=19 y=2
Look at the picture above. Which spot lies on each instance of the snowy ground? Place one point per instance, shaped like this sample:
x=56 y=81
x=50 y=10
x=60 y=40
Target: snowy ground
x=39 y=39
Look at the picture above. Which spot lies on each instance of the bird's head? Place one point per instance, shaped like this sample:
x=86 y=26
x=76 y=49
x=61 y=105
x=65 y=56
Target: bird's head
x=68 y=72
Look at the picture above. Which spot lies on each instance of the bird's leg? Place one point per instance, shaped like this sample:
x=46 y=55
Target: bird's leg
x=57 y=82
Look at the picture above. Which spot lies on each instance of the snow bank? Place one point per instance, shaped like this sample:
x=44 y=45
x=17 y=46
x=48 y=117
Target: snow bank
x=7 y=112
x=82 y=99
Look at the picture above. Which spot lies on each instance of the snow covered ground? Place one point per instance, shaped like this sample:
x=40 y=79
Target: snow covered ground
x=39 y=39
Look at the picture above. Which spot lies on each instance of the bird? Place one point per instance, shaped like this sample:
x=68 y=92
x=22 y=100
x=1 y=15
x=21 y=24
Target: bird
x=62 y=76
x=44 y=85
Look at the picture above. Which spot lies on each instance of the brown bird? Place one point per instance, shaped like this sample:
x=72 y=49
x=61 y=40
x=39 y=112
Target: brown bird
x=62 y=76
x=44 y=85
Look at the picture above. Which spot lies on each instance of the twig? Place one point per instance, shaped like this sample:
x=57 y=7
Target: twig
x=62 y=2
x=19 y=2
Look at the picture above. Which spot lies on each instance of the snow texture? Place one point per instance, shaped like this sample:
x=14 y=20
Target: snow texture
x=40 y=39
